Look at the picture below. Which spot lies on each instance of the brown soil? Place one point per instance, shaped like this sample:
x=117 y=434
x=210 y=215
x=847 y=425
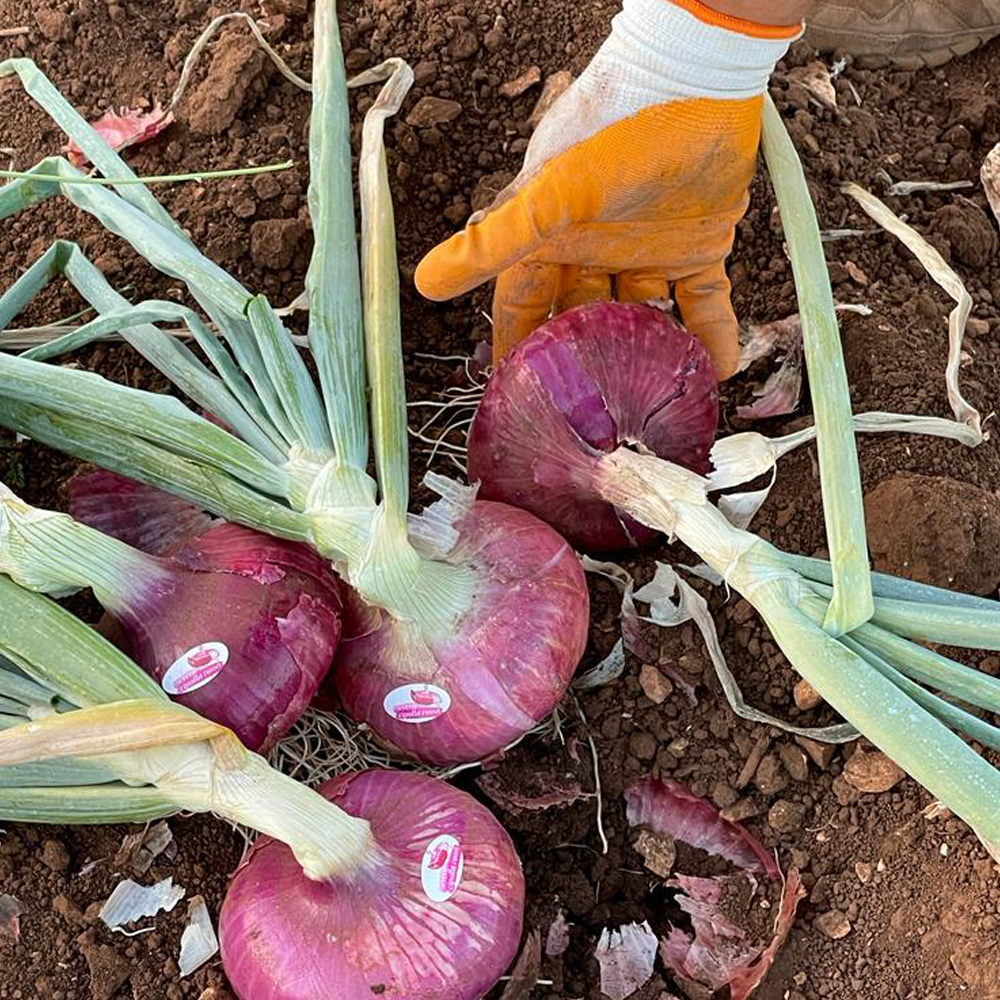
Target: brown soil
x=920 y=895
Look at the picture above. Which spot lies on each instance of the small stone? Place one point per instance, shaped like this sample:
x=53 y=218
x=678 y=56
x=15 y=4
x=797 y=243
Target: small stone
x=864 y=871
x=739 y=811
x=553 y=89
x=785 y=816
x=55 y=25
x=494 y=39
x=770 y=778
x=753 y=760
x=655 y=686
x=806 y=696
x=642 y=746
x=55 y=855
x=795 y=760
x=659 y=852
x=430 y=111
x=821 y=754
x=527 y=80
x=833 y=924
x=464 y=45
x=857 y=275
x=425 y=72
x=724 y=795
x=870 y=770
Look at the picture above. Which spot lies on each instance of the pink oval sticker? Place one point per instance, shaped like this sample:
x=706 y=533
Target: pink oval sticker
x=195 y=668
x=416 y=703
x=442 y=867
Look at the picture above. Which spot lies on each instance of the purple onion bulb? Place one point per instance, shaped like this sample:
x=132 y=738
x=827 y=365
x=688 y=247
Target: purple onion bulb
x=587 y=382
x=434 y=914
x=504 y=667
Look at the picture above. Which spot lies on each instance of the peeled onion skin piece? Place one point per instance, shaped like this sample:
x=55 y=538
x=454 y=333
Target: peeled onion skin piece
x=592 y=379
x=504 y=668
x=274 y=605
x=378 y=933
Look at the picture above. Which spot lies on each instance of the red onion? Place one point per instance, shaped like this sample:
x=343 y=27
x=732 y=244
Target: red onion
x=235 y=624
x=464 y=695
x=596 y=377
x=434 y=914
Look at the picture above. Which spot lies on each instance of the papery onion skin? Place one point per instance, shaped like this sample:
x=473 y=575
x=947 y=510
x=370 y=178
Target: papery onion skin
x=275 y=605
x=509 y=660
x=593 y=378
x=377 y=933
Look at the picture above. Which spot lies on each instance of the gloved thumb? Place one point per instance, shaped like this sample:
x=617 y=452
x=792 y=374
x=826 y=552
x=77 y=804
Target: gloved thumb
x=505 y=235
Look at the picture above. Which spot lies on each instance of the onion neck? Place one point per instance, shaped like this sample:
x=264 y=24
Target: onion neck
x=374 y=554
x=669 y=498
x=243 y=788
x=50 y=552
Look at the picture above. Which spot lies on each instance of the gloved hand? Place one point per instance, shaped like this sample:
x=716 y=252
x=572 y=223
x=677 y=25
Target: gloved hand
x=638 y=173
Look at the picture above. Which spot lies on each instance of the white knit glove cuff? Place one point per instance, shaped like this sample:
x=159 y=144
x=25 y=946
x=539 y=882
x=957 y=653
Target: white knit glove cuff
x=661 y=52
x=657 y=52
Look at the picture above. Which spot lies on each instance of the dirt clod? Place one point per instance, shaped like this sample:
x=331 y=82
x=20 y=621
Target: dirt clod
x=237 y=65
x=273 y=242
x=55 y=25
x=870 y=770
x=108 y=969
x=785 y=816
x=833 y=924
x=55 y=855
x=935 y=530
x=968 y=229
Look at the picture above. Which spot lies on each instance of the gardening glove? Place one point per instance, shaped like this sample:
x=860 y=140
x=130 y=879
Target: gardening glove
x=638 y=173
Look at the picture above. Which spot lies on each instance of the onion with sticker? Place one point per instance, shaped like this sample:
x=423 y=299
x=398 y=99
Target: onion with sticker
x=235 y=624
x=465 y=692
x=439 y=874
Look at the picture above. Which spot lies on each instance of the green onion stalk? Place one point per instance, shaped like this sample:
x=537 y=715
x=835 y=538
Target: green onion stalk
x=874 y=675
x=292 y=458
x=88 y=737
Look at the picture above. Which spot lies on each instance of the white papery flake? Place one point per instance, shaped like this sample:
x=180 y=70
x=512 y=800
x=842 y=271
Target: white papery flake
x=198 y=942
x=130 y=902
x=626 y=958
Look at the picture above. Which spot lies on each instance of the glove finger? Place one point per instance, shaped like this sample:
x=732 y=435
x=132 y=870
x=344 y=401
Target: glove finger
x=643 y=285
x=703 y=300
x=543 y=207
x=522 y=301
x=579 y=285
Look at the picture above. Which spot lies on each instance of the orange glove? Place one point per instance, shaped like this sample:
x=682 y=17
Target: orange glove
x=637 y=174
